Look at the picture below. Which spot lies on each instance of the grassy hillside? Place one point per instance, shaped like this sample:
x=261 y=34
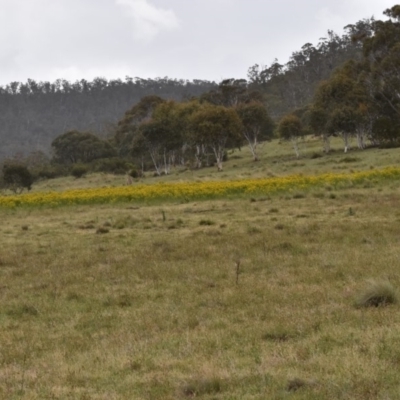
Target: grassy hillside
x=241 y=298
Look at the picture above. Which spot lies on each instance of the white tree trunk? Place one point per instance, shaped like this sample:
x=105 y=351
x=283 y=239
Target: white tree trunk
x=253 y=143
x=219 y=154
x=345 y=137
x=154 y=158
x=326 y=143
x=199 y=156
x=253 y=149
x=360 y=139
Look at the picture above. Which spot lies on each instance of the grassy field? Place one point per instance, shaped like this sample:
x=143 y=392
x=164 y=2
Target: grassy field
x=242 y=298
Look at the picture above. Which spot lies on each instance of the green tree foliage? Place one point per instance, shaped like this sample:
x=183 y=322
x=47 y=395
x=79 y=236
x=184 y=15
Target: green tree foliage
x=382 y=56
x=160 y=135
x=79 y=170
x=343 y=106
x=128 y=125
x=361 y=98
x=256 y=124
x=189 y=149
x=291 y=128
x=291 y=86
x=73 y=147
x=17 y=177
x=316 y=118
x=216 y=127
x=231 y=93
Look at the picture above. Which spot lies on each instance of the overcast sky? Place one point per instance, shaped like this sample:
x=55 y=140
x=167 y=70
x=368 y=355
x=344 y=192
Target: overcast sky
x=184 y=39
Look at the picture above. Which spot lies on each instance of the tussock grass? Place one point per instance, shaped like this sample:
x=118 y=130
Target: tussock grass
x=102 y=230
x=377 y=293
x=201 y=387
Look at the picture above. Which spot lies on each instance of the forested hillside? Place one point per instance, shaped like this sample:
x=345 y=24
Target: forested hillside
x=34 y=113
x=345 y=85
x=290 y=86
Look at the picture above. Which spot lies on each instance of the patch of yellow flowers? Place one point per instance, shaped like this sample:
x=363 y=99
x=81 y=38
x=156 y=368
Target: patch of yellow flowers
x=196 y=190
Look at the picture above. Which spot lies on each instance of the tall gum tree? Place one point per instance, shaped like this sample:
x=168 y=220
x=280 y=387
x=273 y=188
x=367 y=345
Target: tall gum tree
x=256 y=125
x=290 y=128
x=160 y=136
x=343 y=106
x=183 y=112
x=141 y=112
x=216 y=127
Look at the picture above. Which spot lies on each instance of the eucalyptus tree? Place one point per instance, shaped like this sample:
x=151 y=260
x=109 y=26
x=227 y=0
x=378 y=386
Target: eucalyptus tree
x=316 y=118
x=127 y=127
x=74 y=146
x=256 y=125
x=343 y=106
x=382 y=54
x=159 y=135
x=183 y=112
x=290 y=128
x=216 y=127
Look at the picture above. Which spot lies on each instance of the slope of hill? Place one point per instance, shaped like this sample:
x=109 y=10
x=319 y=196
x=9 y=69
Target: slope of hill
x=35 y=113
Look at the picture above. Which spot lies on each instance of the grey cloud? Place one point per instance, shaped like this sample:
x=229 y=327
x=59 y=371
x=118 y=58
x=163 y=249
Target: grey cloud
x=204 y=39
x=148 y=20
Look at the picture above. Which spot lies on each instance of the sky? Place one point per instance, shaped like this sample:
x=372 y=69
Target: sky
x=184 y=39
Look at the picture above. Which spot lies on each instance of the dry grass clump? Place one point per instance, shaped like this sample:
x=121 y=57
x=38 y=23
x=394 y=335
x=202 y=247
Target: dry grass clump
x=206 y=222
x=297 y=383
x=87 y=226
x=101 y=230
x=278 y=336
x=377 y=293
x=201 y=387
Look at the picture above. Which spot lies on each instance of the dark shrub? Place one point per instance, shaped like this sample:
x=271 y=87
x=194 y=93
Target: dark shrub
x=78 y=170
x=113 y=165
x=49 y=172
x=17 y=177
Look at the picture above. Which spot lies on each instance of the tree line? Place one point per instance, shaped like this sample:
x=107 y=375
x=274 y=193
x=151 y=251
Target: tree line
x=157 y=134
x=361 y=98
x=290 y=86
x=34 y=113
x=166 y=133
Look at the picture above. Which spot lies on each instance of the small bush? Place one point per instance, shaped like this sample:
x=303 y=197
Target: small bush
x=134 y=173
x=78 y=170
x=50 y=172
x=377 y=293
